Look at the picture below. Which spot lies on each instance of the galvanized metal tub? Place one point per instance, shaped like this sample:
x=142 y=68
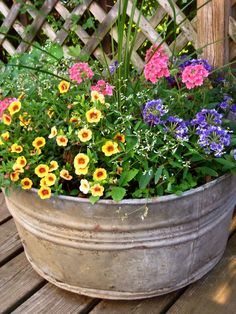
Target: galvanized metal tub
x=129 y=250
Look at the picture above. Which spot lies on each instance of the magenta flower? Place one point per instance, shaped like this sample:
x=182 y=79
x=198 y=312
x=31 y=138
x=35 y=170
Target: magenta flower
x=193 y=75
x=157 y=65
x=103 y=88
x=4 y=104
x=80 y=71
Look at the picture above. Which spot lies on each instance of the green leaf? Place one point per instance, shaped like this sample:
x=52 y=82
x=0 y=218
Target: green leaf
x=57 y=51
x=74 y=192
x=93 y=199
x=208 y=171
x=158 y=174
x=227 y=163
x=131 y=141
x=117 y=193
x=145 y=178
x=127 y=176
x=75 y=51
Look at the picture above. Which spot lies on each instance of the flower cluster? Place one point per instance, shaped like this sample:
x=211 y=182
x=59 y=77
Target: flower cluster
x=96 y=134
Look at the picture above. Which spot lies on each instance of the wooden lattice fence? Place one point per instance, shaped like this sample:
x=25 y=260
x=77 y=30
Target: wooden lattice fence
x=213 y=27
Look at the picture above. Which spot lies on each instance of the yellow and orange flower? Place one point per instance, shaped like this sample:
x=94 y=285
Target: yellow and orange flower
x=119 y=170
x=81 y=171
x=53 y=132
x=5 y=136
x=81 y=161
x=17 y=168
x=39 y=142
x=74 y=119
x=14 y=176
x=62 y=140
x=50 y=179
x=99 y=174
x=24 y=119
x=41 y=170
x=15 y=148
x=21 y=161
x=97 y=190
x=120 y=137
x=50 y=113
x=6 y=119
x=64 y=174
x=26 y=184
x=96 y=96
x=93 y=115
x=43 y=182
x=63 y=87
x=84 y=186
x=14 y=107
x=85 y=135
x=53 y=165
x=110 y=148
x=35 y=152
x=44 y=192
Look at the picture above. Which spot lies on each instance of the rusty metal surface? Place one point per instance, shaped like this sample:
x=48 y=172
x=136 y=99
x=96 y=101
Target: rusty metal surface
x=127 y=250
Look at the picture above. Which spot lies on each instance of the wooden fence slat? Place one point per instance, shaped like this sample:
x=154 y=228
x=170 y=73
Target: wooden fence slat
x=9 y=240
x=37 y=24
x=17 y=280
x=64 y=32
x=9 y=19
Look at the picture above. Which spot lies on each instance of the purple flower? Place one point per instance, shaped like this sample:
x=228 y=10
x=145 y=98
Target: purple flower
x=153 y=110
x=113 y=66
x=226 y=102
x=178 y=127
x=213 y=139
x=203 y=62
x=233 y=108
x=207 y=117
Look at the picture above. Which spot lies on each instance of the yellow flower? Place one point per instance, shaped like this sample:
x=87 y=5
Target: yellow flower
x=50 y=179
x=84 y=186
x=21 y=161
x=14 y=107
x=14 y=176
x=53 y=165
x=17 y=168
x=97 y=190
x=119 y=170
x=96 y=96
x=24 y=120
x=85 y=135
x=53 y=132
x=64 y=174
x=44 y=192
x=5 y=136
x=74 y=119
x=6 y=119
x=50 y=113
x=1 y=142
x=64 y=87
x=41 y=170
x=36 y=151
x=80 y=171
x=81 y=161
x=43 y=182
x=61 y=140
x=93 y=115
x=39 y=142
x=26 y=184
x=110 y=148
x=120 y=137
x=99 y=174
x=15 y=148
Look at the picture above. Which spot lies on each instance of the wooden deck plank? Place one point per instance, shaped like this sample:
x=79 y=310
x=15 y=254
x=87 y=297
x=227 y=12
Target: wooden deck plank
x=147 y=306
x=57 y=300
x=216 y=292
x=17 y=281
x=4 y=213
x=9 y=241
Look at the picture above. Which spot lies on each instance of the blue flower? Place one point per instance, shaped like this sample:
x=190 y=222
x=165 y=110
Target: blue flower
x=226 y=102
x=207 y=117
x=203 y=62
x=153 y=110
x=178 y=127
x=113 y=66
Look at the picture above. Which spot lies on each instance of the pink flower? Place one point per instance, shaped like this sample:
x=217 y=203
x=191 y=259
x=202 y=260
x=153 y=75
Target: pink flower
x=103 y=88
x=4 y=104
x=193 y=75
x=157 y=64
x=80 y=71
